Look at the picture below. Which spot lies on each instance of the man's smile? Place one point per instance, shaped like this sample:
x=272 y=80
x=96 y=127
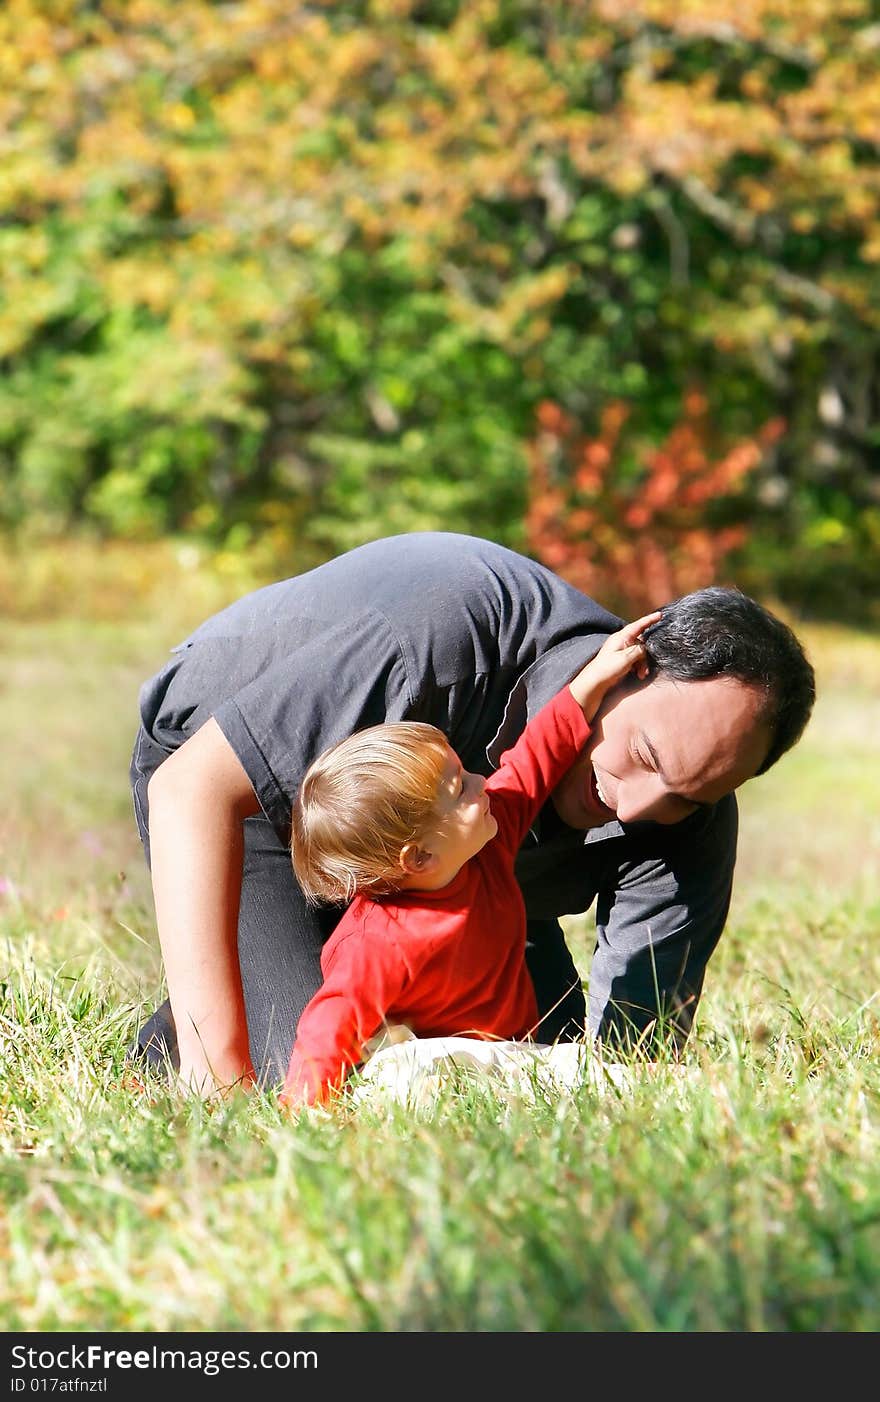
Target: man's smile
x=597 y=794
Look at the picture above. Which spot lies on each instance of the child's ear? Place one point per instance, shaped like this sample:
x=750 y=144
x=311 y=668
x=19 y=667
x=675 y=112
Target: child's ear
x=416 y=860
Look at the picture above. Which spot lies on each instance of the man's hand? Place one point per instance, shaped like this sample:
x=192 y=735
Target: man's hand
x=203 y=1084
x=621 y=653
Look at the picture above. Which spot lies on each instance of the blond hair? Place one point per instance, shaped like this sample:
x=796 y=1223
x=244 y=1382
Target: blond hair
x=359 y=804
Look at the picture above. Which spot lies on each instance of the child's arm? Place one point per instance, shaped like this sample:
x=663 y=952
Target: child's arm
x=327 y=1048
x=553 y=739
x=620 y=653
x=199 y=798
x=363 y=980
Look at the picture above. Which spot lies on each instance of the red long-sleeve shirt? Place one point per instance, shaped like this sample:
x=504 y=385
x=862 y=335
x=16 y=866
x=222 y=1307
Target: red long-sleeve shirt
x=443 y=962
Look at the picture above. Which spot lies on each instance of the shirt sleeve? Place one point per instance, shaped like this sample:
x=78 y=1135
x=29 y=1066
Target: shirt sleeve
x=546 y=750
x=344 y=678
x=363 y=979
x=659 y=916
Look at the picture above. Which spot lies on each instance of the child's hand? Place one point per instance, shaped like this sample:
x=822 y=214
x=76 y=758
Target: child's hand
x=621 y=653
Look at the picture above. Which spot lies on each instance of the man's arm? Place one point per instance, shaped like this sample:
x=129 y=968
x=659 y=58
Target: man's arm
x=199 y=799
x=659 y=916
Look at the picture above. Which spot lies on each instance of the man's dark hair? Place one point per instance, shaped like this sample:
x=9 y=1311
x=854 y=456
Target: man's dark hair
x=720 y=632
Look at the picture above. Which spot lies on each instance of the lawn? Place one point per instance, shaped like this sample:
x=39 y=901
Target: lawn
x=742 y=1196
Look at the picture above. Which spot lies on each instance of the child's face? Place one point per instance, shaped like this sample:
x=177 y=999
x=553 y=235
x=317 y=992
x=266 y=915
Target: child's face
x=464 y=819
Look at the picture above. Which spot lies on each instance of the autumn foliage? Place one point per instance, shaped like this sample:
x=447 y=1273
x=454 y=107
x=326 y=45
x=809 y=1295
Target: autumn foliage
x=304 y=270
x=636 y=539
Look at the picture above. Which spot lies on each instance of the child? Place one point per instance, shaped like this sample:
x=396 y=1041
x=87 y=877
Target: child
x=435 y=933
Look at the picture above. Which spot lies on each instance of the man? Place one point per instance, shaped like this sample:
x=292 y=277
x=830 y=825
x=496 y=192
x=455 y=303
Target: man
x=473 y=638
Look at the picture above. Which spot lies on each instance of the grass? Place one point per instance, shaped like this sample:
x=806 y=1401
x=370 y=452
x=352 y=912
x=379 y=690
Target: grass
x=743 y=1195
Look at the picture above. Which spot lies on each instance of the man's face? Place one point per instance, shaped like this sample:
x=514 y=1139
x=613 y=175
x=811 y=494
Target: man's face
x=662 y=748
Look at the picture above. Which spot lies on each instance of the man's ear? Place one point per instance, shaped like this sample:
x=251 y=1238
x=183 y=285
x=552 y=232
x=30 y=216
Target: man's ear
x=416 y=860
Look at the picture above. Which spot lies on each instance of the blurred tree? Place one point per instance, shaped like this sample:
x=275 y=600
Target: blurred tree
x=634 y=524
x=284 y=268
